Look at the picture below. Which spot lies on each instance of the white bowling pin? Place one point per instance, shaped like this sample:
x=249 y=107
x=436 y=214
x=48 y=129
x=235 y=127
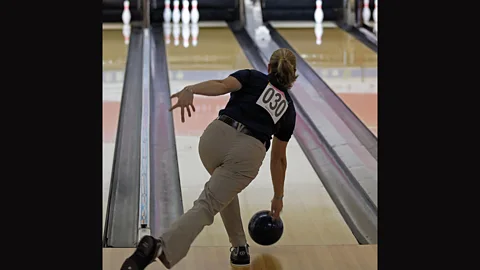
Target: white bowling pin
x=126 y=15
x=195 y=15
x=176 y=11
x=176 y=34
x=167 y=12
x=126 y=33
x=257 y=13
x=318 y=33
x=185 y=12
x=318 y=12
x=186 y=34
x=366 y=13
x=375 y=18
x=167 y=31
x=195 y=31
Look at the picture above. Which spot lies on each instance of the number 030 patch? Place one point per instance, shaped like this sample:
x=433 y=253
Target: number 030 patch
x=274 y=102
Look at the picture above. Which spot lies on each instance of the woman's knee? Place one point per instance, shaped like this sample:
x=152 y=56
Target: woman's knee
x=209 y=203
x=206 y=208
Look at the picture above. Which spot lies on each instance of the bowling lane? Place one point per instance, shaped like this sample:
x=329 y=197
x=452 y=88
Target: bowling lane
x=345 y=64
x=339 y=257
x=310 y=216
x=114 y=59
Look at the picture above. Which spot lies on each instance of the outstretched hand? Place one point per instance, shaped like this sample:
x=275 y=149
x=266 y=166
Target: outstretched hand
x=184 y=100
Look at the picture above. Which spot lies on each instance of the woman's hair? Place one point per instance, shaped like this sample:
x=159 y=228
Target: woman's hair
x=283 y=65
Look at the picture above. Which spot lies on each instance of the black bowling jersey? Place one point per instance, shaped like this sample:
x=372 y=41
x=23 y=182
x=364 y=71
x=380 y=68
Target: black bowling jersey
x=262 y=105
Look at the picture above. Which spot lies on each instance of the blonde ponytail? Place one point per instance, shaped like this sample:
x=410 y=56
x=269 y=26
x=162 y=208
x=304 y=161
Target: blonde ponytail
x=283 y=66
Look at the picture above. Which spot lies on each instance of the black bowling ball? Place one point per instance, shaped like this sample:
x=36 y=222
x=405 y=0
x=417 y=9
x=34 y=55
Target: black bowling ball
x=263 y=229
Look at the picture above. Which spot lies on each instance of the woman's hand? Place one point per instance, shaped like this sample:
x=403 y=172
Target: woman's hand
x=184 y=100
x=277 y=206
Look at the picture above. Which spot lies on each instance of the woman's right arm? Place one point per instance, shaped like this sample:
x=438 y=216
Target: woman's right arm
x=278 y=166
x=278 y=160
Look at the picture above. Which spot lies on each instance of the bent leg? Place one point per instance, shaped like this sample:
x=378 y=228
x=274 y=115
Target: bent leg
x=219 y=191
x=232 y=220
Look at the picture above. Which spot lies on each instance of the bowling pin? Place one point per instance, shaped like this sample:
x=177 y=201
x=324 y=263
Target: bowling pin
x=176 y=34
x=366 y=13
x=186 y=34
x=195 y=15
x=185 y=12
x=126 y=33
x=167 y=30
x=176 y=11
x=257 y=13
x=167 y=13
x=375 y=12
x=318 y=33
x=126 y=15
x=195 y=31
x=319 y=12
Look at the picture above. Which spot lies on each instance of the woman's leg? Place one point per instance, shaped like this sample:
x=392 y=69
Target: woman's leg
x=232 y=220
x=223 y=186
x=213 y=151
x=211 y=159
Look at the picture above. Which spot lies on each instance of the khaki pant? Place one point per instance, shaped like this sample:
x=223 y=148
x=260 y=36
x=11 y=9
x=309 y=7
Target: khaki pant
x=233 y=159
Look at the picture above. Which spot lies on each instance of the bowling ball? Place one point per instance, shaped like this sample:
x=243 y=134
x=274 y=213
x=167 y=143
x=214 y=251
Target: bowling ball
x=263 y=229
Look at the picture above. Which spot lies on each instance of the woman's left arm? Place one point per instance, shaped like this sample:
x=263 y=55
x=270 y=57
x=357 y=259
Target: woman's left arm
x=215 y=87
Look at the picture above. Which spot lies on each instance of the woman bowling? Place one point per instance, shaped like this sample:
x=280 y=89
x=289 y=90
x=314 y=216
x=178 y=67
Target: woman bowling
x=232 y=149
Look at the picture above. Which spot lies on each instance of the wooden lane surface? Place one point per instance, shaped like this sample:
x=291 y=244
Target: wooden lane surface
x=336 y=257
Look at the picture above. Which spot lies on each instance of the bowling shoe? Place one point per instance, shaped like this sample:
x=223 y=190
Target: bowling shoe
x=148 y=249
x=240 y=255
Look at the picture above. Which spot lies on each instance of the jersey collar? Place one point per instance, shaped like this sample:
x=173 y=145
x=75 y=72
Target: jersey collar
x=273 y=80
